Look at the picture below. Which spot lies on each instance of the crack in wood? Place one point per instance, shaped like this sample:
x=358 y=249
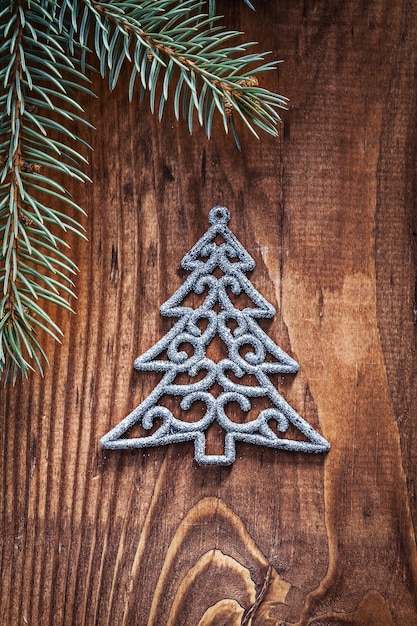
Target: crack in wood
x=249 y=614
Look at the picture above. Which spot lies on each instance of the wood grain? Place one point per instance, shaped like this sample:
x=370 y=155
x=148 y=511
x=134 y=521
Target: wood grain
x=327 y=212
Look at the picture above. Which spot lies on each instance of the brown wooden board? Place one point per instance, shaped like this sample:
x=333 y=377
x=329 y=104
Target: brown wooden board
x=148 y=538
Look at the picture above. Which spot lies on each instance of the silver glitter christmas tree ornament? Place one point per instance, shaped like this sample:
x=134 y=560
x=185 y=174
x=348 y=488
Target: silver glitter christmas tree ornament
x=216 y=267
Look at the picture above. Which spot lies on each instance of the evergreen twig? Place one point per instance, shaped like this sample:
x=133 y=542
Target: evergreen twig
x=44 y=50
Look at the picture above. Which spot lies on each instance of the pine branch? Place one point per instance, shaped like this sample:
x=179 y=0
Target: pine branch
x=34 y=269
x=44 y=57
x=212 y=6
x=161 y=38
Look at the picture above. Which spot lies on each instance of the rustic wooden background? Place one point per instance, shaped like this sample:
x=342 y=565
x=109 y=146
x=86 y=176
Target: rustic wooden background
x=327 y=212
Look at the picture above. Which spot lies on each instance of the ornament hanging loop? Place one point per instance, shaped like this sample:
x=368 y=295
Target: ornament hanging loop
x=219 y=215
